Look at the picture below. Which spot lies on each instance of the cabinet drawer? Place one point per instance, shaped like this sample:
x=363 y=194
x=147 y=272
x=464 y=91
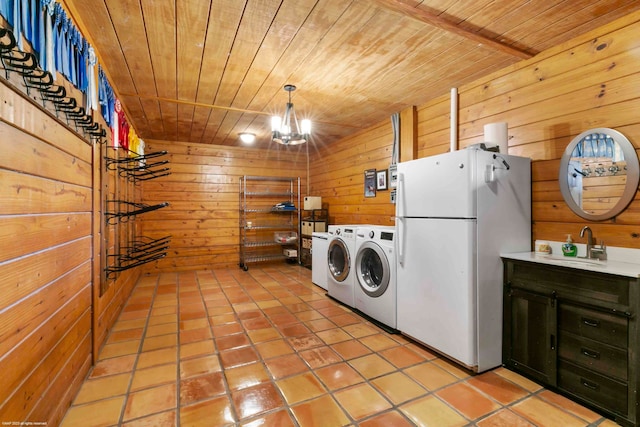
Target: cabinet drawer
x=604 y=392
x=593 y=324
x=571 y=284
x=607 y=360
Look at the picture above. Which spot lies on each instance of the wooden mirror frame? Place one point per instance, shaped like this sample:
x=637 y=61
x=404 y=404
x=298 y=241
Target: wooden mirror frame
x=633 y=174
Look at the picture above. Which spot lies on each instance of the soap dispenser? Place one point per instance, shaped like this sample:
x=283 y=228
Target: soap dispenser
x=569 y=249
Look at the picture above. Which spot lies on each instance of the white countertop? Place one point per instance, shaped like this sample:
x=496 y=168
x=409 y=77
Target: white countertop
x=620 y=268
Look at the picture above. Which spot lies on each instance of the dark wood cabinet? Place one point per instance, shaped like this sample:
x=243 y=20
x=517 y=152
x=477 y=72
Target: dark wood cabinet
x=575 y=332
x=530 y=334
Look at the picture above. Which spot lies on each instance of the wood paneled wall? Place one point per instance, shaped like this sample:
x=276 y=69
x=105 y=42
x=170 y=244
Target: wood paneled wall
x=45 y=262
x=203 y=196
x=53 y=319
x=337 y=174
x=589 y=82
x=49 y=222
x=113 y=289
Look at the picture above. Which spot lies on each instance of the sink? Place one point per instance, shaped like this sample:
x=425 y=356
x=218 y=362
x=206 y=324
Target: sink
x=577 y=262
x=626 y=267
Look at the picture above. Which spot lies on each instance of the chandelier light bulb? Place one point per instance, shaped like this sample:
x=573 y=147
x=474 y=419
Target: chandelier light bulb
x=286 y=130
x=276 y=121
x=305 y=126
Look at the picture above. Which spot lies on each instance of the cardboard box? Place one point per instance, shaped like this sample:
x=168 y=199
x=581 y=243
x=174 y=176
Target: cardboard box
x=308 y=227
x=291 y=253
x=306 y=243
x=312 y=202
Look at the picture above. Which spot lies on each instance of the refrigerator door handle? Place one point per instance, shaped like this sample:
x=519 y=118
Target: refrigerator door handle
x=400 y=228
x=400 y=217
x=399 y=198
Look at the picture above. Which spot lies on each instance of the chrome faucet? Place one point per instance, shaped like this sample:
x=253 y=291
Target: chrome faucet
x=593 y=252
x=589 y=239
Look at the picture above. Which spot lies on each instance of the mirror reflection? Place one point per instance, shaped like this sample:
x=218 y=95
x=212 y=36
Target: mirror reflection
x=599 y=174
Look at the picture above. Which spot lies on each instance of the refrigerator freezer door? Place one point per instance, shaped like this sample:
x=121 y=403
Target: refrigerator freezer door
x=440 y=186
x=436 y=285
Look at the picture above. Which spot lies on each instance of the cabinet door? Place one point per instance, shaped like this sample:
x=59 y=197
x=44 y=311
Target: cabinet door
x=529 y=346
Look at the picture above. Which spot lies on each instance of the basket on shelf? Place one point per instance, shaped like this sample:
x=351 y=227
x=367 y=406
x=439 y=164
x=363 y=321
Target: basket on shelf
x=286 y=237
x=284 y=206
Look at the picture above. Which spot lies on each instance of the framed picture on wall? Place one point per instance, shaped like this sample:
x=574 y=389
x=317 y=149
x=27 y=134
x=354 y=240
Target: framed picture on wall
x=381 y=180
x=370 y=183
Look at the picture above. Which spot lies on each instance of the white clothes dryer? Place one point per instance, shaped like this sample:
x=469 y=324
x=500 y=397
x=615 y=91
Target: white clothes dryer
x=375 y=267
x=340 y=258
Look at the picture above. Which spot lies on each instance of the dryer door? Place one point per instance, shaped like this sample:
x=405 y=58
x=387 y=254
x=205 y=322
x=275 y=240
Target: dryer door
x=372 y=269
x=338 y=259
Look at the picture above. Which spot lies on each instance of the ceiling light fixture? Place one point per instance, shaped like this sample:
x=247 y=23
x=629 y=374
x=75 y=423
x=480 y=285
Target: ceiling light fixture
x=286 y=129
x=247 y=137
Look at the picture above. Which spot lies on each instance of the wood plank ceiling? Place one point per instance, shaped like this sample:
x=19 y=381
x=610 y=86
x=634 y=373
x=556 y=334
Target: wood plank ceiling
x=205 y=70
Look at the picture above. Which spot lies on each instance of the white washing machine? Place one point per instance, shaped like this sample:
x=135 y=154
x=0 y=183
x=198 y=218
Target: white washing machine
x=375 y=269
x=340 y=258
x=319 y=247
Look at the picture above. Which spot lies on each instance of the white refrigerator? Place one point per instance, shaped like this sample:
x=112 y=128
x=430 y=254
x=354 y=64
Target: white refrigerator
x=455 y=213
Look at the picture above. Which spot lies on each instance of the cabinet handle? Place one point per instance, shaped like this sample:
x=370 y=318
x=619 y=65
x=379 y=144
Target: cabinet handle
x=588 y=384
x=591 y=322
x=590 y=353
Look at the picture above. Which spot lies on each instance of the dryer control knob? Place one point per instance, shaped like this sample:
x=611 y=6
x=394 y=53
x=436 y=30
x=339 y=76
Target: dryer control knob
x=371 y=234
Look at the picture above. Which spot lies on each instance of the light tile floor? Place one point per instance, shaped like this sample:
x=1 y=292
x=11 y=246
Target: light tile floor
x=267 y=347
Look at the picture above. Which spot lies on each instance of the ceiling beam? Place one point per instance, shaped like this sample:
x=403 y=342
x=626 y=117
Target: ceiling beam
x=443 y=24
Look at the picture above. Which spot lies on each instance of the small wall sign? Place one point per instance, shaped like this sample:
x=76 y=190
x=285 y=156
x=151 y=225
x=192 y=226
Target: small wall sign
x=370 y=183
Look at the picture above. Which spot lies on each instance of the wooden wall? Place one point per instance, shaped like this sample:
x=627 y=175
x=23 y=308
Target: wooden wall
x=111 y=290
x=337 y=174
x=589 y=82
x=50 y=218
x=203 y=196
x=45 y=262
x=53 y=318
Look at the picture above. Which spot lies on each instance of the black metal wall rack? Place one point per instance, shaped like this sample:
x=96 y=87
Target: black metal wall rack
x=136 y=249
x=140 y=251
x=25 y=64
x=137 y=168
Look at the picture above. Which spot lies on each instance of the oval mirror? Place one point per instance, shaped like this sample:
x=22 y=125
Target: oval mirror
x=599 y=174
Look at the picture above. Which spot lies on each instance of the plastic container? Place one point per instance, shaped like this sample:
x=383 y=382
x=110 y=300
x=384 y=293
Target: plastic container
x=286 y=238
x=568 y=248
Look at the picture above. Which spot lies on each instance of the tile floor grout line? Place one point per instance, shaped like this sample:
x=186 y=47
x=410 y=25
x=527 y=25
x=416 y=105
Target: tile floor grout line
x=315 y=375
x=331 y=393
x=178 y=354
x=140 y=346
x=273 y=381
x=219 y=353
x=276 y=285
x=244 y=331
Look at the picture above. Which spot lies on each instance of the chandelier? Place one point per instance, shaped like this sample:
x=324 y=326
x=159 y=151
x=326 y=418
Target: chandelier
x=286 y=130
